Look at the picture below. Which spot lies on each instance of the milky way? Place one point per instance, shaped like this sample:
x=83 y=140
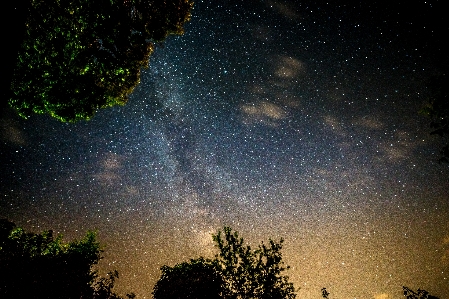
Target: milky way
x=276 y=118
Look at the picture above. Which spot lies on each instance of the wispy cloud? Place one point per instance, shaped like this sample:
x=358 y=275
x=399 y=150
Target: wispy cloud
x=262 y=112
x=11 y=133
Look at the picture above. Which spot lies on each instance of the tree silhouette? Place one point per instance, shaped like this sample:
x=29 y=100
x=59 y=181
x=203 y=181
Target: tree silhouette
x=102 y=287
x=251 y=273
x=437 y=109
x=42 y=266
x=419 y=294
x=324 y=293
x=197 y=279
x=237 y=272
x=78 y=56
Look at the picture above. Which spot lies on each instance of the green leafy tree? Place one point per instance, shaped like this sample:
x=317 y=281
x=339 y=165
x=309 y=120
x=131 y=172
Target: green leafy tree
x=43 y=266
x=78 y=56
x=419 y=294
x=251 y=273
x=197 y=279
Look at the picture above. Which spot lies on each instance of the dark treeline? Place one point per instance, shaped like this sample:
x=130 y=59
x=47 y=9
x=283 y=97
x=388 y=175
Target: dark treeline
x=44 y=266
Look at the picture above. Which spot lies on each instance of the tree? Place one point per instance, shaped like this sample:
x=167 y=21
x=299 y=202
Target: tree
x=102 y=287
x=78 y=56
x=42 y=266
x=419 y=294
x=197 y=279
x=251 y=273
x=237 y=272
x=324 y=293
x=437 y=109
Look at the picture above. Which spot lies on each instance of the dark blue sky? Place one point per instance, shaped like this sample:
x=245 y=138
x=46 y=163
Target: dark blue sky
x=277 y=118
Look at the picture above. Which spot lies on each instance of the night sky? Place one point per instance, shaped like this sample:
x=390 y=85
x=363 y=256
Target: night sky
x=280 y=119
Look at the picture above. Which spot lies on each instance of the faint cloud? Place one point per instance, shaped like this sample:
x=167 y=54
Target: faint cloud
x=132 y=190
x=11 y=133
x=110 y=167
x=394 y=152
x=283 y=97
x=369 y=122
x=112 y=161
x=285 y=9
x=399 y=148
x=107 y=178
x=334 y=125
x=288 y=67
x=263 y=112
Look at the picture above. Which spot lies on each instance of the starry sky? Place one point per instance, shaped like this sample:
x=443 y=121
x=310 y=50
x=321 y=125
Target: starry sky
x=292 y=119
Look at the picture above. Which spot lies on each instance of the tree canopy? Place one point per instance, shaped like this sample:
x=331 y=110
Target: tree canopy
x=197 y=279
x=78 y=56
x=236 y=272
x=251 y=273
x=419 y=294
x=43 y=266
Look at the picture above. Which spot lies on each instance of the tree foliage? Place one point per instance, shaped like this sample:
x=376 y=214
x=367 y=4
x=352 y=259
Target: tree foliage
x=102 y=287
x=43 y=266
x=419 y=294
x=197 y=279
x=236 y=272
x=324 y=293
x=79 y=56
x=251 y=273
